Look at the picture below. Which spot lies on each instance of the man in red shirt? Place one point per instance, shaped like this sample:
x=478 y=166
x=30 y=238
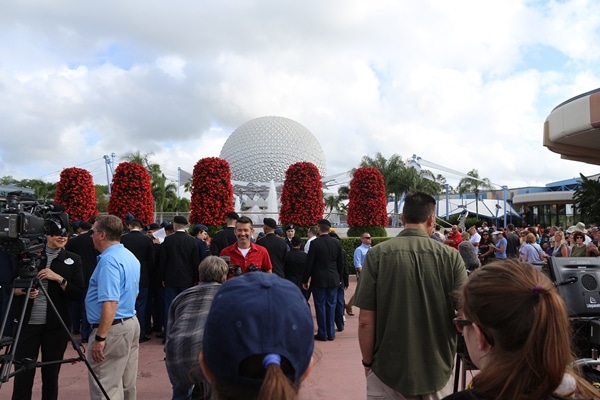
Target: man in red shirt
x=245 y=254
x=454 y=237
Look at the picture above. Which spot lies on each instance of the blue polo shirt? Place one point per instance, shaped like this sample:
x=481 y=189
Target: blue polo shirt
x=116 y=278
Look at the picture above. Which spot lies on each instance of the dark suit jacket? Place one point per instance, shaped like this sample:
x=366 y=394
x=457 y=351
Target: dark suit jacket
x=223 y=238
x=277 y=248
x=325 y=262
x=67 y=265
x=295 y=266
x=83 y=246
x=179 y=260
x=142 y=248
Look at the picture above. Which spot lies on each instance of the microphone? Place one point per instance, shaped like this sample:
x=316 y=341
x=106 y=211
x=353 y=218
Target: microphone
x=569 y=281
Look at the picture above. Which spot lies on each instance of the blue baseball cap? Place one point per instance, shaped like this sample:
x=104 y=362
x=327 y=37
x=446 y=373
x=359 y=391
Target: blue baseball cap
x=257 y=314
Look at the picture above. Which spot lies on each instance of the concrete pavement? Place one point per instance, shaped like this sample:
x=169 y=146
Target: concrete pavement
x=337 y=373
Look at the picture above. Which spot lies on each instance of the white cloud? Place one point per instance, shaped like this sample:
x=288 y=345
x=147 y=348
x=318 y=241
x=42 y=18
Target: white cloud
x=465 y=84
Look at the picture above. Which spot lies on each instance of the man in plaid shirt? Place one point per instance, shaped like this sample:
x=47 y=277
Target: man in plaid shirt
x=183 y=339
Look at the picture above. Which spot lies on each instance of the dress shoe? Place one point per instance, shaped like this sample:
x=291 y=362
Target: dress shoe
x=160 y=335
x=340 y=329
x=349 y=309
x=322 y=339
x=331 y=339
x=144 y=339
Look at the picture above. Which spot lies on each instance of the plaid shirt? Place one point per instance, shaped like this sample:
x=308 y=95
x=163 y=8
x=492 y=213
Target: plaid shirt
x=187 y=316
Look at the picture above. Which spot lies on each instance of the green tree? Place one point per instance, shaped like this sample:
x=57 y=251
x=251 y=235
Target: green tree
x=473 y=183
x=45 y=191
x=587 y=200
x=162 y=190
x=101 y=198
x=137 y=157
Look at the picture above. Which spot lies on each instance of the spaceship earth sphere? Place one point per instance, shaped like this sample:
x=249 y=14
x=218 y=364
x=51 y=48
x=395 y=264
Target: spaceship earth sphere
x=263 y=148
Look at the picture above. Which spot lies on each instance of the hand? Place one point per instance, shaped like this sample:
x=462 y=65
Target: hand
x=367 y=371
x=305 y=286
x=33 y=294
x=98 y=351
x=49 y=275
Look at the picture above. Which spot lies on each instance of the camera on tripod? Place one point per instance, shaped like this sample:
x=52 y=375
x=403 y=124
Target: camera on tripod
x=23 y=226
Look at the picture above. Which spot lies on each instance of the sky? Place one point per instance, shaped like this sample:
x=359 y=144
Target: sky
x=465 y=84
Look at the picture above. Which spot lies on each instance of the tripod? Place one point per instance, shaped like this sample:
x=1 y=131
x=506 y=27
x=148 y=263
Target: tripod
x=10 y=343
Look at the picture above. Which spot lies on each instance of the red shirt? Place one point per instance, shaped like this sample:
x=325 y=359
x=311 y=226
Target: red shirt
x=258 y=255
x=457 y=237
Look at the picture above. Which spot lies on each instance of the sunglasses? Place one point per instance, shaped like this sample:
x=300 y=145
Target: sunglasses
x=460 y=323
x=366 y=237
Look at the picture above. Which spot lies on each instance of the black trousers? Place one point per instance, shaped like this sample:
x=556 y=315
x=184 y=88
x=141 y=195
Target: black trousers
x=53 y=343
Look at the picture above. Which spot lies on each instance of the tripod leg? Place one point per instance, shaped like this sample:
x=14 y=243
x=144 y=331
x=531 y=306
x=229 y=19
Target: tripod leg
x=10 y=344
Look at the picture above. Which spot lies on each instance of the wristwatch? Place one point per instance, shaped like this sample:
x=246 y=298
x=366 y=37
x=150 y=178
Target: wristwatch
x=63 y=282
x=100 y=338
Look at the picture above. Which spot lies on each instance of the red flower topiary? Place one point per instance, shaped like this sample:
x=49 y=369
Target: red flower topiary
x=367 y=205
x=131 y=192
x=212 y=193
x=302 y=195
x=75 y=191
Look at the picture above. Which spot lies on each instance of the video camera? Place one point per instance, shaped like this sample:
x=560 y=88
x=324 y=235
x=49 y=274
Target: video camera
x=236 y=270
x=23 y=226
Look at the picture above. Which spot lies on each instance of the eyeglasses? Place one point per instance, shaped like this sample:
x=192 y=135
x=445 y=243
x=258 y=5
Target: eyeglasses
x=460 y=324
x=366 y=237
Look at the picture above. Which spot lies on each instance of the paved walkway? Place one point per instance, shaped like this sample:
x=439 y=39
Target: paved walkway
x=337 y=373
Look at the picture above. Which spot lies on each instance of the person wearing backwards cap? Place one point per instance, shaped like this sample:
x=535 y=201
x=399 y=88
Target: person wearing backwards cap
x=238 y=359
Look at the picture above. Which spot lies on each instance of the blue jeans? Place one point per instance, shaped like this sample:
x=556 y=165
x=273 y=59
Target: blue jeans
x=325 y=300
x=182 y=389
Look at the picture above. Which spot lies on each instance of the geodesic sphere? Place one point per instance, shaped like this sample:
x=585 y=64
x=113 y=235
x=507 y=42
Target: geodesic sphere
x=263 y=148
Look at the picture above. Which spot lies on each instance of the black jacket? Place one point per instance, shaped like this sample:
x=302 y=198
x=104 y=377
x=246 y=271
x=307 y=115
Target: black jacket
x=67 y=265
x=223 y=238
x=83 y=246
x=142 y=248
x=179 y=260
x=277 y=249
x=325 y=262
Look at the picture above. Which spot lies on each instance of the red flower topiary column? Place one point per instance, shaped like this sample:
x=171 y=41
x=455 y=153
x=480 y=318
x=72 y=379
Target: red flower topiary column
x=212 y=193
x=367 y=206
x=75 y=191
x=131 y=192
x=302 y=195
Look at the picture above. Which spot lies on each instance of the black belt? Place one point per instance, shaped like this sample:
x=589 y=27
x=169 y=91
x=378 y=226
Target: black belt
x=116 y=321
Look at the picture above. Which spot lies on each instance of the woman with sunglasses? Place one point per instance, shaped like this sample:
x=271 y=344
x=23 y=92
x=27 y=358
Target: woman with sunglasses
x=517 y=332
x=42 y=329
x=486 y=252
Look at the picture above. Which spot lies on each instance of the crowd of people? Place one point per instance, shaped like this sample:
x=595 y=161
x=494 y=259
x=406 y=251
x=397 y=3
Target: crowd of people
x=211 y=300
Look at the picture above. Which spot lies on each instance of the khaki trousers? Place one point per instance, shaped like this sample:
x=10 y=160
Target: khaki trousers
x=377 y=390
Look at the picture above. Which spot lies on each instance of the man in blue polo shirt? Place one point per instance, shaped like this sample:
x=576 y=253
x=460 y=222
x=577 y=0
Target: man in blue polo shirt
x=110 y=306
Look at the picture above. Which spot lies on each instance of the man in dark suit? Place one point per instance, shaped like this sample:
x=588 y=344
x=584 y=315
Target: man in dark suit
x=179 y=260
x=143 y=249
x=225 y=237
x=295 y=265
x=324 y=268
x=83 y=246
x=274 y=245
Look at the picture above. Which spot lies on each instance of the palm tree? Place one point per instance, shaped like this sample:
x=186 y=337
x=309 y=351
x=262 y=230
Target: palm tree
x=473 y=183
x=162 y=191
x=587 y=199
x=137 y=157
